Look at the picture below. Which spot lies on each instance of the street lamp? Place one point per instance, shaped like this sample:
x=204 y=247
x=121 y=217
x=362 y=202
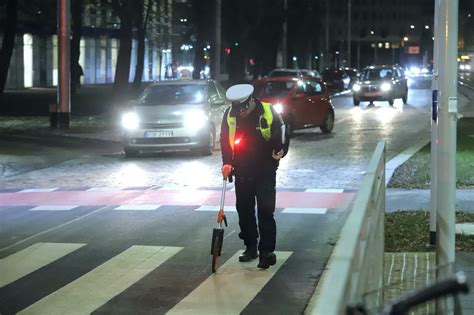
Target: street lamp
x=295 y=62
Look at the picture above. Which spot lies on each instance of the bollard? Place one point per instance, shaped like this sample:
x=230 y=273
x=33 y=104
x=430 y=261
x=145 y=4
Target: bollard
x=53 y=116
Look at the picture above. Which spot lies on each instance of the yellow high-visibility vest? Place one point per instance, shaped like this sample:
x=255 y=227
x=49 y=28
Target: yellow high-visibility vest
x=265 y=131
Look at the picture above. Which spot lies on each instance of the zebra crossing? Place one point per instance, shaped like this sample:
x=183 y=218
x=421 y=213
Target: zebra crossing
x=228 y=291
x=108 y=251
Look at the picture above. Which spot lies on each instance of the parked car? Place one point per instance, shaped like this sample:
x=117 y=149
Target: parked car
x=183 y=114
x=302 y=102
x=336 y=79
x=283 y=72
x=381 y=83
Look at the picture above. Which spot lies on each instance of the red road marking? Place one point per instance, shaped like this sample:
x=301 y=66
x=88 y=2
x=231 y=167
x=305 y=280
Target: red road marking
x=285 y=199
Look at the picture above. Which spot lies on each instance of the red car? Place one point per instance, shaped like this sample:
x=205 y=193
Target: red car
x=302 y=102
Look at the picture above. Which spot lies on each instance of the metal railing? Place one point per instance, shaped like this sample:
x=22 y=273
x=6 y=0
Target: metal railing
x=356 y=264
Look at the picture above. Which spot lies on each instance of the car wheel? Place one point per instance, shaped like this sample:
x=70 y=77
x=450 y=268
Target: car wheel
x=356 y=102
x=131 y=152
x=405 y=98
x=211 y=143
x=328 y=124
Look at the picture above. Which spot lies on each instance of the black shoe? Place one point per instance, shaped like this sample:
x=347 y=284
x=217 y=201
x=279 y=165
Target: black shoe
x=249 y=254
x=267 y=260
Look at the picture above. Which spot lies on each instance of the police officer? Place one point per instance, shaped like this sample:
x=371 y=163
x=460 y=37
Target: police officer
x=253 y=140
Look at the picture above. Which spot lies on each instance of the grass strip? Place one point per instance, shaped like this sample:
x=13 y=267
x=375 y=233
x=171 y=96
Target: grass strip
x=415 y=173
x=408 y=231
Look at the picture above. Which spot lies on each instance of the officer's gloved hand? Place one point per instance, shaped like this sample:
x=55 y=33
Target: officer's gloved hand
x=227 y=172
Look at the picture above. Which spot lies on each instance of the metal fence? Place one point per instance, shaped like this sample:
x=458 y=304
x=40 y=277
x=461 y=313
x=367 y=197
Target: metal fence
x=356 y=264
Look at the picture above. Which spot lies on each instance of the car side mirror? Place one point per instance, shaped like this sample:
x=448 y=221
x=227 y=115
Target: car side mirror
x=300 y=96
x=217 y=102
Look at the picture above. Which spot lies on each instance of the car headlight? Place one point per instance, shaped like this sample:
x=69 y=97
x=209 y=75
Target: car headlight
x=278 y=108
x=195 y=120
x=461 y=67
x=130 y=121
x=467 y=67
x=414 y=70
x=356 y=87
x=386 y=87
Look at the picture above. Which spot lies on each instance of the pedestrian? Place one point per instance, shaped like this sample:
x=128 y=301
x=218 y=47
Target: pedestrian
x=253 y=140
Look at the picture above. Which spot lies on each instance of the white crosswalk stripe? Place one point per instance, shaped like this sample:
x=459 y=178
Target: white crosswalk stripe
x=38 y=190
x=216 y=208
x=32 y=258
x=319 y=190
x=230 y=290
x=94 y=289
x=138 y=207
x=53 y=208
x=305 y=210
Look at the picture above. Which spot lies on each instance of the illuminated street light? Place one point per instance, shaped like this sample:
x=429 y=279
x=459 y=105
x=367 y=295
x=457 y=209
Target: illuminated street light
x=427 y=27
x=405 y=39
x=412 y=26
x=372 y=32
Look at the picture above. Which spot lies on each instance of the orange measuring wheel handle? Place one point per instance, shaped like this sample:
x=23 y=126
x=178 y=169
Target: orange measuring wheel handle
x=221 y=217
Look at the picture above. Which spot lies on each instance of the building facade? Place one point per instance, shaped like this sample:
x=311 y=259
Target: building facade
x=34 y=61
x=381 y=32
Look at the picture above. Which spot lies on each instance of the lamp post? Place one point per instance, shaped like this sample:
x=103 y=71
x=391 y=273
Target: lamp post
x=372 y=32
x=349 y=30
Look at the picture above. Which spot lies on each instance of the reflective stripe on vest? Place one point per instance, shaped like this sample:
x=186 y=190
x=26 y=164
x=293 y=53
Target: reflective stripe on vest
x=266 y=132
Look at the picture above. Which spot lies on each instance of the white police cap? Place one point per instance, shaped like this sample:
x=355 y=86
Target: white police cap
x=239 y=93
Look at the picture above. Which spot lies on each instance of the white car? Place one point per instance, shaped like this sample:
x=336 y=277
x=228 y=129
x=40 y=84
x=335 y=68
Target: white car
x=175 y=115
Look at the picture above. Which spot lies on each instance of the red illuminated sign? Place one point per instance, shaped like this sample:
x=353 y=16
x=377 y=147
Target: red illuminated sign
x=414 y=50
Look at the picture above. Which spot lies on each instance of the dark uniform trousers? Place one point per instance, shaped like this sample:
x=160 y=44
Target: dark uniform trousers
x=262 y=189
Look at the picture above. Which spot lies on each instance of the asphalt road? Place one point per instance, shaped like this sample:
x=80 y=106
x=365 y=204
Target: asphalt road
x=85 y=230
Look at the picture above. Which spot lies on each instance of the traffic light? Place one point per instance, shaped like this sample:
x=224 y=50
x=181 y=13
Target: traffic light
x=227 y=51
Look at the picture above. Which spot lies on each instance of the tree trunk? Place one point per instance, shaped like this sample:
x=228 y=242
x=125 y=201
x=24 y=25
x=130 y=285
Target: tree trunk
x=77 y=11
x=201 y=16
x=237 y=65
x=198 y=63
x=122 y=69
x=140 y=57
x=8 y=42
x=141 y=24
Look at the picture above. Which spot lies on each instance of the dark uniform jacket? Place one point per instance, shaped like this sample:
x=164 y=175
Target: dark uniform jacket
x=253 y=154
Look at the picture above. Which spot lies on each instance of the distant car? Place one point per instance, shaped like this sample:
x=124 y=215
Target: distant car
x=182 y=114
x=353 y=75
x=381 y=83
x=464 y=66
x=336 y=79
x=302 y=102
x=283 y=72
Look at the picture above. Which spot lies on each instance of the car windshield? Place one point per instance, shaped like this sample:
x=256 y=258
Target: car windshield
x=283 y=73
x=377 y=74
x=172 y=94
x=276 y=89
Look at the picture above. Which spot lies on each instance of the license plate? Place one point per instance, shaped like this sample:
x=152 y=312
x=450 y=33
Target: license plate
x=159 y=134
x=371 y=94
